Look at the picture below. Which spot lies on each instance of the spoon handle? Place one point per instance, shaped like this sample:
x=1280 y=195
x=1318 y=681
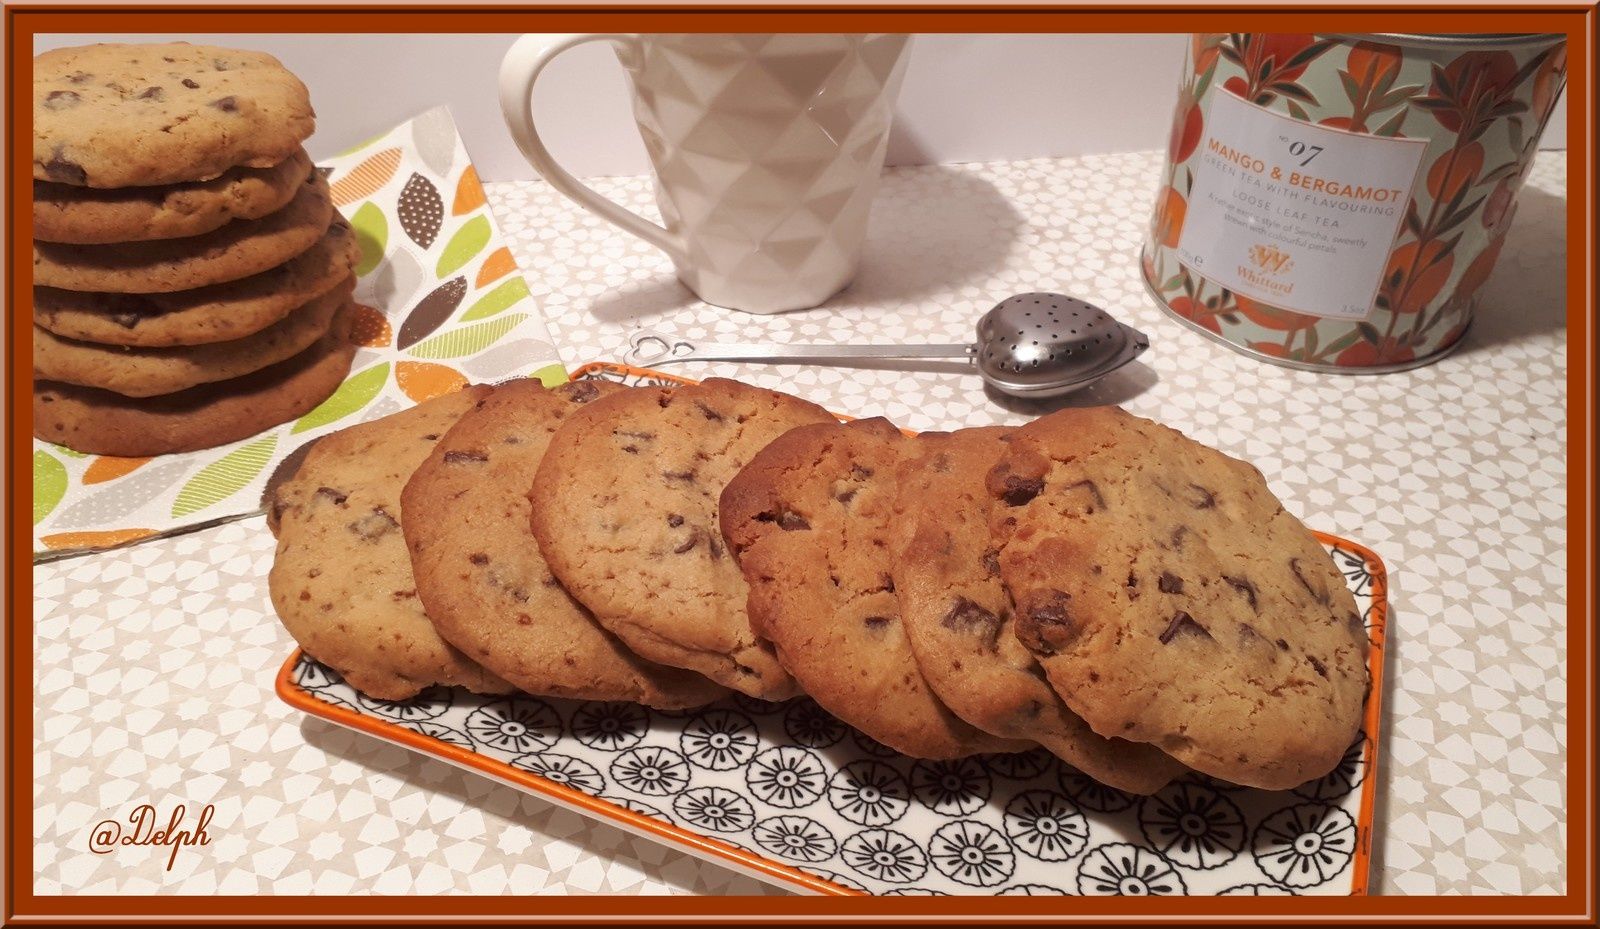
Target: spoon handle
x=647 y=348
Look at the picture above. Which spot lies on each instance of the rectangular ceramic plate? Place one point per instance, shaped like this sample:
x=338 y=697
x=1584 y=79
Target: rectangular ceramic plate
x=788 y=794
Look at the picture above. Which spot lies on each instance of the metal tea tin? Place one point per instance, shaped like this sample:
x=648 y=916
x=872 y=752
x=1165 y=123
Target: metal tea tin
x=1336 y=202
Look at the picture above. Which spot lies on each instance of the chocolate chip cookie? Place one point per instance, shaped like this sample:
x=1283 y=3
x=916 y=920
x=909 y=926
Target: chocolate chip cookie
x=92 y=215
x=218 y=313
x=136 y=115
x=99 y=422
x=146 y=372
x=1172 y=600
x=959 y=622
x=810 y=520
x=341 y=580
x=478 y=569
x=237 y=250
x=625 y=511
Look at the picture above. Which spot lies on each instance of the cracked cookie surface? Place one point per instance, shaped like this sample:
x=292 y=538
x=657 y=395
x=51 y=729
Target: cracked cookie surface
x=116 y=115
x=238 y=250
x=147 y=372
x=479 y=572
x=625 y=512
x=811 y=520
x=959 y=620
x=218 y=313
x=91 y=215
x=1172 y=600
x=341 y=579
x=100 y=422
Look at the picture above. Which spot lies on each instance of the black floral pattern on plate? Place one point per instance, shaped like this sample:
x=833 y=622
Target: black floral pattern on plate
x=1033 y=890
x=1090 y=794
x=756 y=705
x=715 y=808
x=954 y=788
x=1043 y=824
x=885 y=855
x=1044 y=828
x=1355 y=570
x=1193 y=825
x=786 y=777
x=1019 y=766
x=1122 y=869
x=869 y=793
x=1256 y=890
x=436 y=730
x=518 y=725
x=811 y=726
x=564 y=770
x=1215 y=783
x=430 y=703
x=610 y=726
x=973 y=853
x=872 y=746
x=653 y=771
x=796 y=838
x=915 y=892
x=314 y=675
x=332 y=698
x=1305 y=845
x=719 y=740
x=1345 y=776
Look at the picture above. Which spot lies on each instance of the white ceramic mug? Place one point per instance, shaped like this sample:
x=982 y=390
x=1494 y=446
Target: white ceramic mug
x=766 y=151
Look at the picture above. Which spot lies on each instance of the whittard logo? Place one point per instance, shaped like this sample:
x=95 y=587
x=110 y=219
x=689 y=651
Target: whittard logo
x=1267 y=263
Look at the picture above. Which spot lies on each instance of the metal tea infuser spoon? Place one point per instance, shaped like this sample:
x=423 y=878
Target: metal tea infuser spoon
x=1029 y=345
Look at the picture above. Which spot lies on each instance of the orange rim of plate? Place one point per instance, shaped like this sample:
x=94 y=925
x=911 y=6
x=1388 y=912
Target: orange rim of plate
x=741 y=859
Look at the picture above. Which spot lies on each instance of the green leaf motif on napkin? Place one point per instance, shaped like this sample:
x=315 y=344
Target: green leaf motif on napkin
x=224 y=477
x=49 y=484
x=468 y=241
x=551 y=375
x=468 y=339
x=372 y=235
x=497 y=300
x=356 y=392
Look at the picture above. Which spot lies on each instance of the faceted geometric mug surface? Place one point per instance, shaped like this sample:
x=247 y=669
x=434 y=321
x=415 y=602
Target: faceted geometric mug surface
x=766 y=151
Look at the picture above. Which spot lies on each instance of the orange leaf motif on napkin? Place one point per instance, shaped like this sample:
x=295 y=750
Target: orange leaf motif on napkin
x=365 y=178
x=497 y=265
x=108 y=468
x=422 y=380
x=469 y=193
x=370 y=328
x=106 y=539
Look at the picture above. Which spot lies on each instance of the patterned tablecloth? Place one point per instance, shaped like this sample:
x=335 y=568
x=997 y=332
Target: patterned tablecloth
x=155 y=663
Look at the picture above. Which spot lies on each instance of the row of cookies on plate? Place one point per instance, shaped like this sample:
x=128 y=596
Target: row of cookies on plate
x=192 y=277
x=1095 y=583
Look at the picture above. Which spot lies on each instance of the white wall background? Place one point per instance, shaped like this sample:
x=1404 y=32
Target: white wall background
x=965 y=98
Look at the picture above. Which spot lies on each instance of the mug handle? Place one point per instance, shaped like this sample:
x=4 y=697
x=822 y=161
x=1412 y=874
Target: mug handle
x=518 y=72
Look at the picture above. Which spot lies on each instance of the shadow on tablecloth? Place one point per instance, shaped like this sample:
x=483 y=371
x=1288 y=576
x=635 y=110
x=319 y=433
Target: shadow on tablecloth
x=934 y=230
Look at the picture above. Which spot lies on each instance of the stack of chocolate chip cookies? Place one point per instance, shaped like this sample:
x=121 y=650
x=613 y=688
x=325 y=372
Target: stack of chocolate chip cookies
x=192 y=278
x=1094 y=583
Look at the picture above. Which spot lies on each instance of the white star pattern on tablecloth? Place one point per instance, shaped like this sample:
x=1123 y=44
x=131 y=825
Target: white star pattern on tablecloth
x=155 y=663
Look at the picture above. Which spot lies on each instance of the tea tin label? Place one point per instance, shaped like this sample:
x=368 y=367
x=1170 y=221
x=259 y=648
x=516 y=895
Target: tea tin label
x=1415 y=146
x=1295 y=214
